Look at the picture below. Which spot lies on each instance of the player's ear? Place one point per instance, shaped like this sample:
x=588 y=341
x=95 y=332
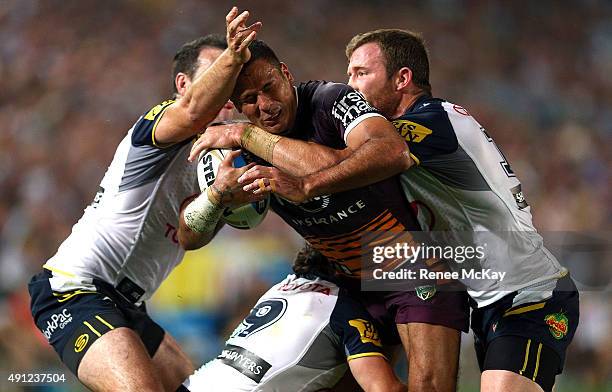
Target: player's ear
x=403 y=78
x=285 y=71
x=181 y=81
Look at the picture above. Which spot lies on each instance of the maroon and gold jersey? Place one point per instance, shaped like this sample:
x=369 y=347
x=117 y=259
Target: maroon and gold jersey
x=337 y=224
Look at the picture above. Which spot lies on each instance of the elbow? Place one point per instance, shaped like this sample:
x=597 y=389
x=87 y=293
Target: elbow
x=399 y=157
x=191 y=241
x=197 y=117
x=186 y=244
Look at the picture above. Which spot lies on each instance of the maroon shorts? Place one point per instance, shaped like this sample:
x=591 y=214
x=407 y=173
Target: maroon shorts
x=447 y=308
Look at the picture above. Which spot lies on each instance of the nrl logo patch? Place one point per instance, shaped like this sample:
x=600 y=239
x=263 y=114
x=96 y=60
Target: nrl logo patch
x=426 y=292
x=558 y=324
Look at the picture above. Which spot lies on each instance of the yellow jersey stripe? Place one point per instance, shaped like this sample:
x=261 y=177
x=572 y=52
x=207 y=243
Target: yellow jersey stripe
x=535 y=372
x=59 y=271
x=67 y=296
x=159 y=116
x=372 y=354
x=525 y=309
x=105 y=322
x=526 y=357
x=92 y=328
x=417 y=160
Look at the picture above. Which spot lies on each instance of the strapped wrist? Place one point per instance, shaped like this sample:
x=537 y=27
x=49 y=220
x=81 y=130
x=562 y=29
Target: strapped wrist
x=202 y=214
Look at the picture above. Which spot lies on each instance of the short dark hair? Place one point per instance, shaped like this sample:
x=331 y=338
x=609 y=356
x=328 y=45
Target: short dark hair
x=261 y=50
x=186 y=59
x=401 y=48
x=311 y=262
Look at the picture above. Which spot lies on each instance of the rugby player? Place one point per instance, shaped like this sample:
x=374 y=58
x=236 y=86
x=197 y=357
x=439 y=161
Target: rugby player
x=462 y=181
x=89 y=299
x=314 y=126
x=299 y=337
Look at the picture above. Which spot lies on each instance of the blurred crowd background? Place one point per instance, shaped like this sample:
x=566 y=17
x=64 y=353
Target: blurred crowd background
x=76 y=74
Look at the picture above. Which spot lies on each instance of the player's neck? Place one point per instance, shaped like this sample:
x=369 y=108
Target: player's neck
x=408 y=99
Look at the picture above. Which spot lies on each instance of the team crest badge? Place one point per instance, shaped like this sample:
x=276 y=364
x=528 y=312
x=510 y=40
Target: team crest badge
x=558 y=324
x=426 y=292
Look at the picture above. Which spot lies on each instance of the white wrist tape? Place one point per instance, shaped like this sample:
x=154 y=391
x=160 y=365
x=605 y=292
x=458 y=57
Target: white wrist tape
x=202 y=215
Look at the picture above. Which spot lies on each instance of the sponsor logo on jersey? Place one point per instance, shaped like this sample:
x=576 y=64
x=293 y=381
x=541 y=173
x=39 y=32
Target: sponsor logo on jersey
x=97 y=198
x=316 y=204
x=332 y=218
x=59 y=320
x=156 y=110
x=426 y=292
x=306 y=286
x=367 y=332
x=350 y=107
x=81 y=343
x=517 y=193
x=262 y=316
x=411 y=131
x=245 y=362
x=558 y=325
x=461 y=110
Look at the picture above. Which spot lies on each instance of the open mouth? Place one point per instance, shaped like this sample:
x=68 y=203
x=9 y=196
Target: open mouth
x=271 y=120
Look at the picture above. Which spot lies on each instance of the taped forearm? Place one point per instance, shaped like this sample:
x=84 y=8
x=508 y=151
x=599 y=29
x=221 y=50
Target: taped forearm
x=295 y=157
x=203 y=213
x=259 y=142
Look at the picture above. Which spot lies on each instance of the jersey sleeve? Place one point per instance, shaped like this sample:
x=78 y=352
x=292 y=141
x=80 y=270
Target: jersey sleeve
x=143 y=133
x=342 y=108
x=428 y=134
x=355 y=329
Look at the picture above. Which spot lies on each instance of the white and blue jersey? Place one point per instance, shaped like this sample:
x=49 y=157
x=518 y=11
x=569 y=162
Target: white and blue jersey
x=128 y=236
x=465 y=192
x=298 y=337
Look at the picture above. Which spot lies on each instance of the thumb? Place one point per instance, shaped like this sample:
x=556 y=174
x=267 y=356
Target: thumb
x=229 y=158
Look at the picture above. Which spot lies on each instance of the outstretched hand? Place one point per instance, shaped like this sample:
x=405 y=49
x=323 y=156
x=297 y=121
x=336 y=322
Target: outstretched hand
x=239 y=36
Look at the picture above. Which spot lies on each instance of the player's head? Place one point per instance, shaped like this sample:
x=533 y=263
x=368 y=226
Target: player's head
x=309 y=261
x=192 y=59
x=386 y=64
x=264 y=90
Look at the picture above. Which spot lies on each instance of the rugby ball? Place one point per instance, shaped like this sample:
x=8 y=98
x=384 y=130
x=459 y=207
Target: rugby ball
x=243 y=217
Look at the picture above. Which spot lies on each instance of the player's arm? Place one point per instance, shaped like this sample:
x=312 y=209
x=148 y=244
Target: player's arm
x=374 y=139
x=374 y=374
x=374 y=151
x=373 y=154
x=190 y=239
x=210 y=90
x=200 y=217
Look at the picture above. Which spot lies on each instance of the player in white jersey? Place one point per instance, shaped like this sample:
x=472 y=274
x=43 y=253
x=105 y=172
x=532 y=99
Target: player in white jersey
x=467 y=193
x=89 y=300
x=302 y=335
